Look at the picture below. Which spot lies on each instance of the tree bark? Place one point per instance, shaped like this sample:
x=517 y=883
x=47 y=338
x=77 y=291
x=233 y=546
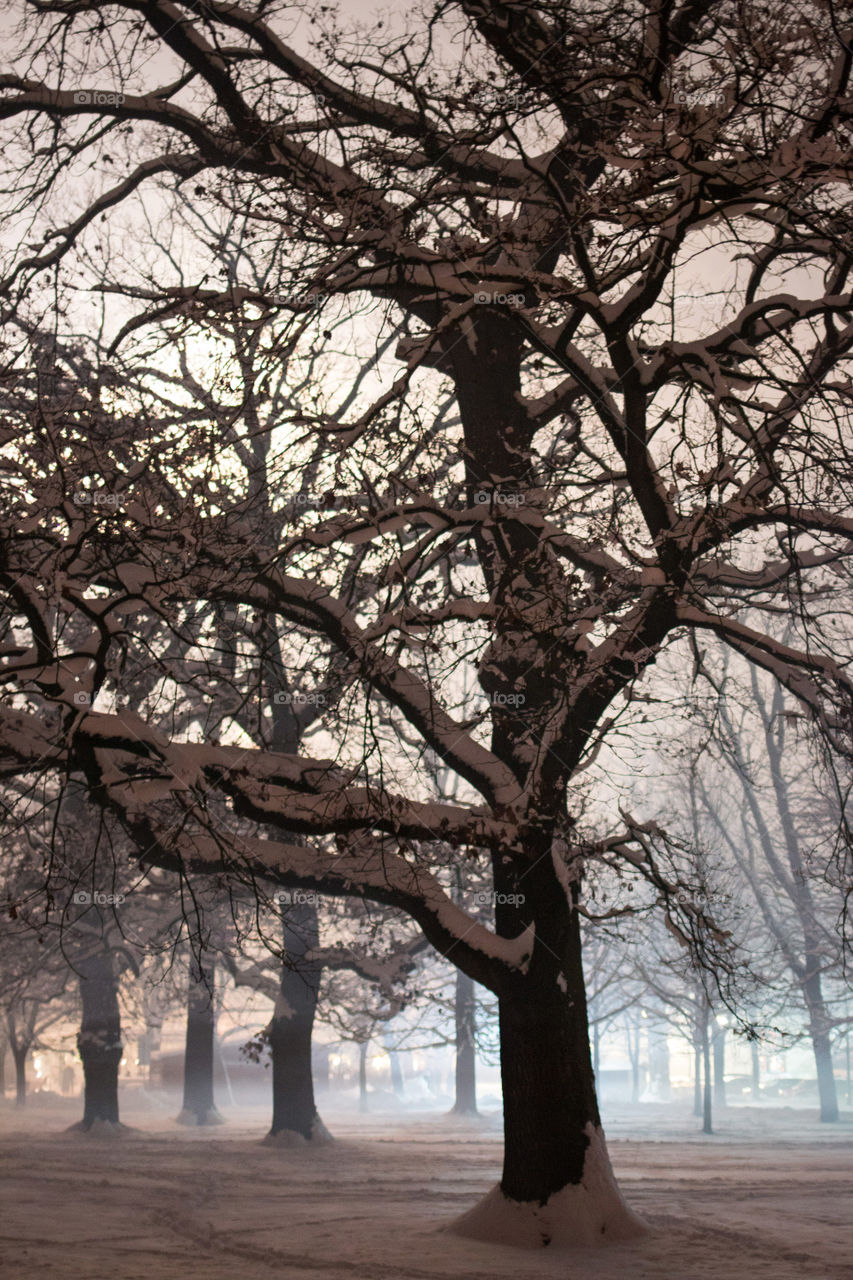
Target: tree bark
x=99 y=1040
x=199 y=1107
x=557 y=1184
x=290 y=1031
x=4 y=1044
x=465 y=1103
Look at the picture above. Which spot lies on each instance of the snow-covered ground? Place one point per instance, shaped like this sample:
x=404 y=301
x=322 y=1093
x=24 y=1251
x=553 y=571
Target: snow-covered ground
x=769 y=1197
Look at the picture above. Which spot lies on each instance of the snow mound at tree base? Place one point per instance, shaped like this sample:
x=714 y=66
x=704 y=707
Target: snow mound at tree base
x=292 y=1138
x=192 y=1118
x=591 y=1212
x=102 y=1129
x=466 y=1116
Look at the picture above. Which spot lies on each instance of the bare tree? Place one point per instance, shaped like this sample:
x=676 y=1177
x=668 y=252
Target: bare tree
x=627 y=467
x=781 y=833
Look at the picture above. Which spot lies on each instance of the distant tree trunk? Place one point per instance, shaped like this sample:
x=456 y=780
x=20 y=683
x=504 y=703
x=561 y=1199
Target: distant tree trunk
x=825 y=1077
x=465 y=1103
x=321 y=1067
x=19 y=1054
x=362 y=1076
x=634 y=1058
x=99 y=1040
x=143 y=1051
x=659 y=1062
x=756 y=1069
x=821 y=1045
x=4 y=1044
x=394 y=1068
x=706 y=1062
x=199 y=1107
x=719 y=1045
x=397 y=1083
x=219 y=1059
x=149 y=1041
x=697 y=1076
x=596 y=1056
x=294 y=1110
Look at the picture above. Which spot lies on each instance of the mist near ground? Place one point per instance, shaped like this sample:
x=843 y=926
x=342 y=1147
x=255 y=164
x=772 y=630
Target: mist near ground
x=768 y=1196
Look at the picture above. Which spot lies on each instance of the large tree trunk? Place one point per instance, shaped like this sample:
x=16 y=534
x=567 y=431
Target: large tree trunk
x=99 y=1040
x=4 y=1044
x=199 y=1107
x=465 y=1103
x=557 y=1184
x=19 y=1054
x=294 y=1114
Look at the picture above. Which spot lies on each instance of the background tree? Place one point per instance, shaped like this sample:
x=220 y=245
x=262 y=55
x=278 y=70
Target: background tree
x=781 y=833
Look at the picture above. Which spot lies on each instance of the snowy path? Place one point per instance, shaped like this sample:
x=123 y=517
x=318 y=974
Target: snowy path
x=164 y=1204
